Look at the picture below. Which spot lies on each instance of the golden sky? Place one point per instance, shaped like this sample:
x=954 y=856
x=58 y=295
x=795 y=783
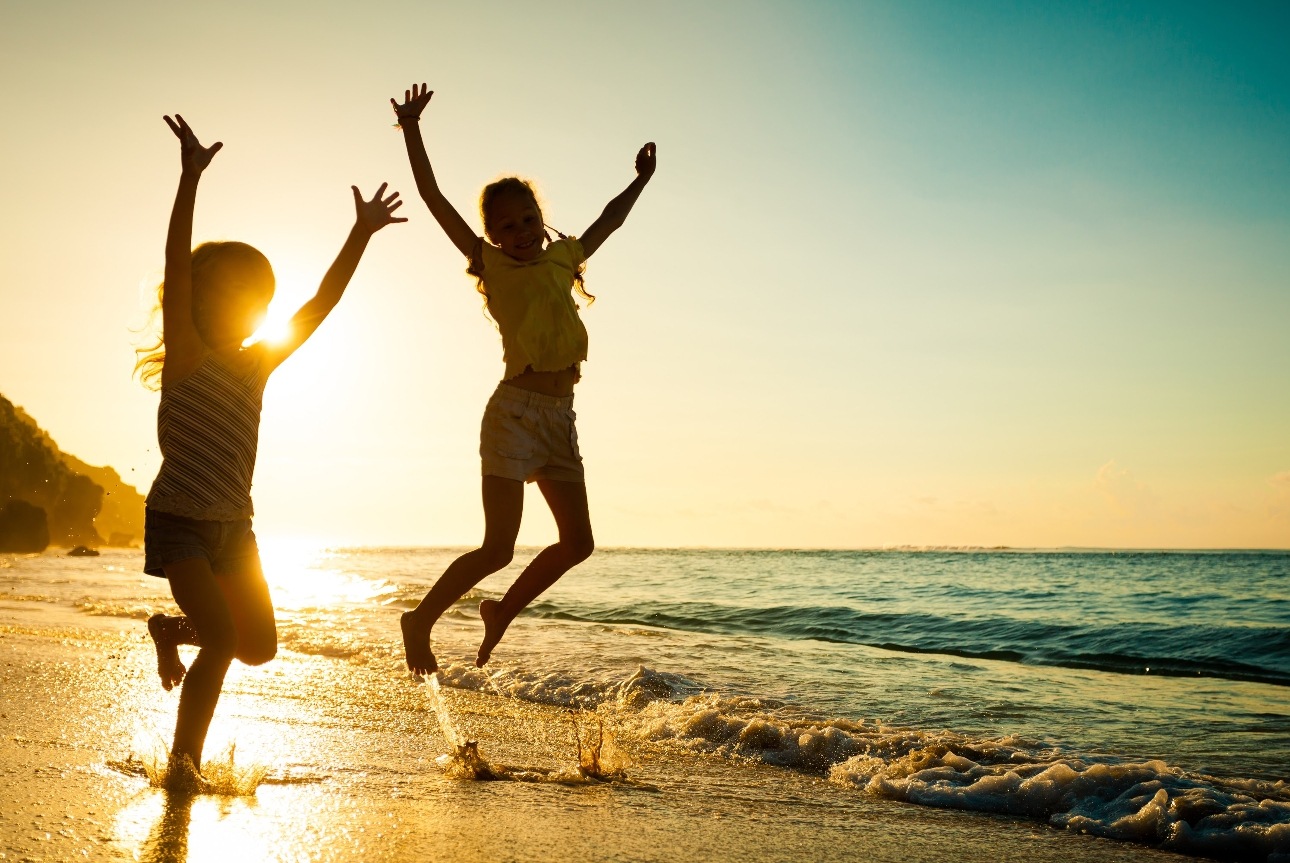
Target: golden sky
x=908 y=273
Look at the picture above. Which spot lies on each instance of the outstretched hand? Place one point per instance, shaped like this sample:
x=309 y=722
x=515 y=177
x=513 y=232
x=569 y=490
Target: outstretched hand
x=378 y=212
x=414 y=102
x=646 y=160
x=193 y=156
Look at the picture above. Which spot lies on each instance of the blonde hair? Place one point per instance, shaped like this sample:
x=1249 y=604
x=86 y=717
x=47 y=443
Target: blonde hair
x=215 y=265
x=504 y=187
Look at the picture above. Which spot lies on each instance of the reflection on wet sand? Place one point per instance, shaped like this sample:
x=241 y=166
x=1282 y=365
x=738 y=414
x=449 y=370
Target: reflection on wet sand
x=168 y=840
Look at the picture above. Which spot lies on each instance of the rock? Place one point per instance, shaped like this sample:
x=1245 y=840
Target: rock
x=82 y=551
x=24 y=527
x=81 y=502
x=73 y=515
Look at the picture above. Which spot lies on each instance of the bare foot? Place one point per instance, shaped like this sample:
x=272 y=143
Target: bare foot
x=183 y=777
x=416 y=645
x=494 y=629
x=165 y=637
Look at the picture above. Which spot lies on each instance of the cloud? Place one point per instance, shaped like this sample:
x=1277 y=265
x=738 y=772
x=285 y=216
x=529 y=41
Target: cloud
x=1124 y=494
x=1280 y=481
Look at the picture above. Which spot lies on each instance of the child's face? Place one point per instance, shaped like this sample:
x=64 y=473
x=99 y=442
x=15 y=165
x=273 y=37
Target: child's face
x=228 y=315
x=515 y=225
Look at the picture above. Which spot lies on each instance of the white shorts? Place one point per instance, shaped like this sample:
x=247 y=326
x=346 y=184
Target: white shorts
x=528 y=436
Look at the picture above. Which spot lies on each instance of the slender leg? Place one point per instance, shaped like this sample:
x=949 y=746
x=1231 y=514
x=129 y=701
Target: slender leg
x=228 y=616
x=202 y=600
x=503 y=507
x=247 y=595
x=568 y=502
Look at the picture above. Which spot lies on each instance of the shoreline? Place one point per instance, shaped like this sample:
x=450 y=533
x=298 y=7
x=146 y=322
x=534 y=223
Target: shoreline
x=349 y=782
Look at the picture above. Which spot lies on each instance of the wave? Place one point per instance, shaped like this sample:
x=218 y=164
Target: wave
x=1145 y=801
x=1257 y=654
x=140 y=610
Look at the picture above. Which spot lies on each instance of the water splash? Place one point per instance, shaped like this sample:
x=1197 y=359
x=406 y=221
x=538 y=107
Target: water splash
x=465 y=761
x=599 y=757
x=219 y=776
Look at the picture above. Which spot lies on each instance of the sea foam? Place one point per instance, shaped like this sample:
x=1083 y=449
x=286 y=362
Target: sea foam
x=1147 y=801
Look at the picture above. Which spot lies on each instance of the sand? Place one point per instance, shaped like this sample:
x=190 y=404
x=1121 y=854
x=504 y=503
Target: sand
x=350 y=754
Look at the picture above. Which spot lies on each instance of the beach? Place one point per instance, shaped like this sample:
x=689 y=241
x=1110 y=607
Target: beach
x=931 y=441
x=352 y=751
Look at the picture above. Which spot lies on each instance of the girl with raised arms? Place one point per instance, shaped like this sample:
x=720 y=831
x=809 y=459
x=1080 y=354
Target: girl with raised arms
x=528 y=432
x=197 y=527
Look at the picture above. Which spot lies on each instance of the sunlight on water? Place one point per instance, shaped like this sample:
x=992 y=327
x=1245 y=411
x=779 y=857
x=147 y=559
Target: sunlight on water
x=192 y=818
x=687 y=662
x=303 y=573
x=195 y=828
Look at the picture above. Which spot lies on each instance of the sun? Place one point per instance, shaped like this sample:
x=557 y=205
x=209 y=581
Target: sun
x=275 y=328
x=304 y=573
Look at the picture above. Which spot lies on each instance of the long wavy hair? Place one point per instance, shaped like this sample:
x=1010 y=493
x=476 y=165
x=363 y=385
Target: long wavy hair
x=216 y=266
x=508 y=186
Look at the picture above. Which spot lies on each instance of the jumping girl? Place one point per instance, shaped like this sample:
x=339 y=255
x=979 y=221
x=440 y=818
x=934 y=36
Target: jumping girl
x=528 y=432
x=197 y=527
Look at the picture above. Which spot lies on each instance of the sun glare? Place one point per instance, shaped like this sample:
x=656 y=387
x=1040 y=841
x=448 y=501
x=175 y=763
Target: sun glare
x=276 y=326
x=302 y=573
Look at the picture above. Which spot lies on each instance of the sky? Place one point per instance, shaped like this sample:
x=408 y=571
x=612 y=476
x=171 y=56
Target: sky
x=909 y=273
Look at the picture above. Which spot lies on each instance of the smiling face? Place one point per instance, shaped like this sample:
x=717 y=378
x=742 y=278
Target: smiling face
x=514 y=223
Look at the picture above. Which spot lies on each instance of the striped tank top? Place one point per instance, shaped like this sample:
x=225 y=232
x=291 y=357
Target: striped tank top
x=208 y=426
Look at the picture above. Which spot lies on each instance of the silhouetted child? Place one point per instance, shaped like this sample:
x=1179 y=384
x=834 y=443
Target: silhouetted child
x=197 y=528
x=528 y=432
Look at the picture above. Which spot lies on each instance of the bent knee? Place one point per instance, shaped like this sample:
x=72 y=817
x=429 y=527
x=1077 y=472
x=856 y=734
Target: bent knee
x=218 y=643
x=579 y=548
x=256 y=654
x=497 y=557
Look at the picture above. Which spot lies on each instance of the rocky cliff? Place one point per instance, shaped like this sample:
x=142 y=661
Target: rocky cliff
x=81 y=504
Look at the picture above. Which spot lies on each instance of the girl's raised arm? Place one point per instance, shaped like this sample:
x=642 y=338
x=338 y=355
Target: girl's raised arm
x=409 y=114
x=179 y=333
x=369 y=217
x=615 y=212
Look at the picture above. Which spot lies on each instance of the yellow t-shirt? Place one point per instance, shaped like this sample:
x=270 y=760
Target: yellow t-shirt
x=532 y=303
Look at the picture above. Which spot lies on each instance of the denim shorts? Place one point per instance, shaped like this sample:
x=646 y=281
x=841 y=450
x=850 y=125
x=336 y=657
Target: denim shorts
x=228 y=546
x=529 y=436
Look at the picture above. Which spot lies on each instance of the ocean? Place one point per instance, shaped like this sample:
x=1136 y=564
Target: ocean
x=1138 y=696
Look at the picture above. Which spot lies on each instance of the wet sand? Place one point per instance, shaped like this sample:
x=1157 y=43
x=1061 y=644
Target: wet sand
x=350 y=752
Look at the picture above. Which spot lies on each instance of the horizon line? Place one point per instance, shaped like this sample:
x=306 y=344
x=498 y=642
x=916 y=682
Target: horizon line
x=815 y=548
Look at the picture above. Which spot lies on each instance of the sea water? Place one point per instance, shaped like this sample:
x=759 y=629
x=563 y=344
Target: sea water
x=1141 y=696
